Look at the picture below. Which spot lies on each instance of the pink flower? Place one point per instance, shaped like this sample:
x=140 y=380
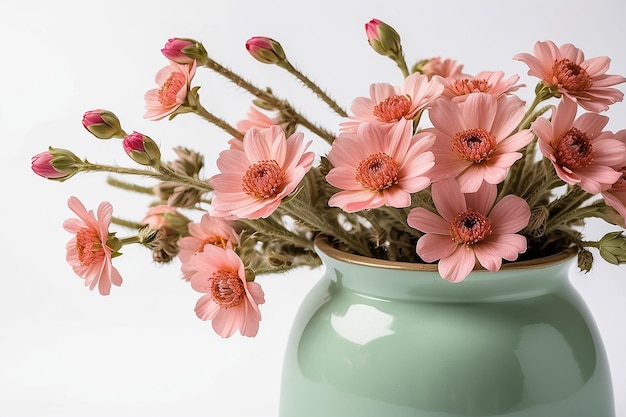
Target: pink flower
x=616 y=195
x=488 y=82
x=253 y=181
x=156 y=217
x=474 y=141
x=210 y=231
x=255 y=119
x=230 y=301
x=580 y=151
x=376 y=167
x=173 y=81
x=564 y=70
x=470 y=227
x=89 y=252
x=387 y=105
x=447 y=68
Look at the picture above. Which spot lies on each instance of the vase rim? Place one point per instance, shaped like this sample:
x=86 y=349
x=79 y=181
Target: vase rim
x=323 y=244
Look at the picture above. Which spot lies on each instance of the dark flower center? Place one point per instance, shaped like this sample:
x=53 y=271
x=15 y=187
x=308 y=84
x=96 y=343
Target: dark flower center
x=378 y=172
x=574 y=150
x=227 y=289
x=393 y=108
x=170 y=88
x=470 y=227
x=263 y=179
x=89 y=247
x=571 y=76
x=474 y=145
x=467 y=86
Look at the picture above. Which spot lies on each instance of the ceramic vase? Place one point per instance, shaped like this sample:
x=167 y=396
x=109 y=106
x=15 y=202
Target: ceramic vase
x=388 y=339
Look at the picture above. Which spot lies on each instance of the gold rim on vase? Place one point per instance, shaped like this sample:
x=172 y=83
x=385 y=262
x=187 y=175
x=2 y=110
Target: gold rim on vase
x=323 y=244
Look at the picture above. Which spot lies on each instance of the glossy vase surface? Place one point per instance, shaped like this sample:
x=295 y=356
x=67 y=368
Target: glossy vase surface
x=384 y=339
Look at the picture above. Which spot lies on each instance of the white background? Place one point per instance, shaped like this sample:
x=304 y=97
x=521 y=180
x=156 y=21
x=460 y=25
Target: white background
x=65 y=351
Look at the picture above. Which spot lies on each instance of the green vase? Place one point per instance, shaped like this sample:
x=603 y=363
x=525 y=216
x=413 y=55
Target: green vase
x=389 y=339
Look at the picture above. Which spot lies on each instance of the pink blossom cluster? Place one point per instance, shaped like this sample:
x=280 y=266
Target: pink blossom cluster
x=381 y=158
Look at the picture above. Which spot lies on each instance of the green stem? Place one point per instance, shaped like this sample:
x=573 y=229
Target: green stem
x=271 y=99
x=129 y=186
x=126 y=223
x=302 y=211
x=221 y=123
x=163 y=174
x=313 y=87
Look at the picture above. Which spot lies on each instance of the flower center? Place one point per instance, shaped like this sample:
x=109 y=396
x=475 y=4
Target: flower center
x=470 y=227
x=378 y=172
x=393 y=108
x=89 y=247
x=474 y=145
x=467 y=86
x=170 y=88
x=574 y=150
x=227 y=289
x=215 y=241
x=263 y=179
x=571 y=76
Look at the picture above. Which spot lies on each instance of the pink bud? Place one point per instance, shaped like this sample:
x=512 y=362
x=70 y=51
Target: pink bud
x=383 y=38
x=56 y=164
x=173 y=50
x=42 y=166
x=141 y=149
x=102 y=124
x=371 y=29
x=265 y=50
x=133 y=142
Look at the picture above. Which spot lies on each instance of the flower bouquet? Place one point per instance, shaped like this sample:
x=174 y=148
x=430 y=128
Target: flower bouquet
x=445 y=167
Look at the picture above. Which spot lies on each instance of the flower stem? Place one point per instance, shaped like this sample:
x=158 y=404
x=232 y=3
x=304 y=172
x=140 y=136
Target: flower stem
x=270 y=99
x=163 y=174
x=313 y=87
x=221 y=123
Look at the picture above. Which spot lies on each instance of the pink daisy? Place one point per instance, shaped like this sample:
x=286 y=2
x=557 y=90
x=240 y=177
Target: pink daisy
x=564 y=70
x=470 y=227
x=88 y=252
x=474 y=141
x=229 y=301
x=173 y=81
x=376 y=167
x=252 y=182
x=446 y=68
x=582 y=154
x=484 y=82
x=387 y=105
x=255 y=118
x=210 y=231
x=616 y=195
x=156 y=217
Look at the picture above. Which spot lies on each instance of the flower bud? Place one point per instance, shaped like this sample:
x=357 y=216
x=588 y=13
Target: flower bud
x=142 y=149
x=102 y=124
x=184 y=51
x=383 y=38
x=613 y=247
x=265 y=50
x=56 y=164
x=585 y=260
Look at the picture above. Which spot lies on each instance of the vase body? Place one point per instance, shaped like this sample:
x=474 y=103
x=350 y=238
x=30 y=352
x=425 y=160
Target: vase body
x=377 y=339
